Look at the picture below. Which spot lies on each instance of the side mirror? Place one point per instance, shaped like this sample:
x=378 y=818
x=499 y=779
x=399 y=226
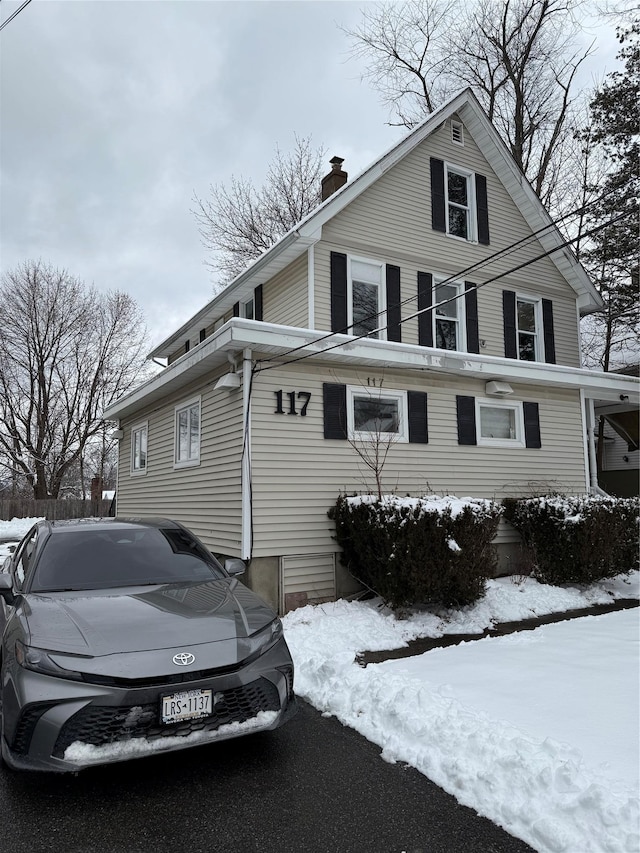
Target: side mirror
x=6 y=587
x=234 y=567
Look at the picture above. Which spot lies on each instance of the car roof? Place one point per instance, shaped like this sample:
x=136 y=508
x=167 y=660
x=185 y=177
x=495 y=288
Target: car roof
x=61 y=526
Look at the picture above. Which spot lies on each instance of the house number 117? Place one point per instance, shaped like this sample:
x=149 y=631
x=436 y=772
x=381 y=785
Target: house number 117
x=292 y=397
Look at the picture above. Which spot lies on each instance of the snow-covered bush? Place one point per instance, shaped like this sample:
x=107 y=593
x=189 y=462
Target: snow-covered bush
x=578 y=539
x=416 y=550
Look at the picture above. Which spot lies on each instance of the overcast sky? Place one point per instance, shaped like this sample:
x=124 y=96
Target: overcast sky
x=114 y=112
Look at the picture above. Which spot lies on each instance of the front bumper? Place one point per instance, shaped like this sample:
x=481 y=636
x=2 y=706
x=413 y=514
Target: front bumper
x=65 y=726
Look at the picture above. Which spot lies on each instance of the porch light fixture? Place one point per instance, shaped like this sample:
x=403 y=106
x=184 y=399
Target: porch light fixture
x=495 y=388
x=230 y=381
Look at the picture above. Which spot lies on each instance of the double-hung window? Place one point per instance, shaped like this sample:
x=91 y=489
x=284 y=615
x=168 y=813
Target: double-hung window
x=248 y=309
x=460 y=202
x=528 y=323
x=366 y=298
x=139 y=437
x=500 y=424
x=448 y=316
x=187 y=434
x=377 y=415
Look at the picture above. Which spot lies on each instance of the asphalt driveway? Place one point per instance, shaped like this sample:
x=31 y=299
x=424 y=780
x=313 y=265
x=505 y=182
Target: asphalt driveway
x=313 y=786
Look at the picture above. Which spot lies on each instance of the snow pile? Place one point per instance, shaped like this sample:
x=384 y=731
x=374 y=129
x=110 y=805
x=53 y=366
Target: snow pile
x=16 y=528
x=538 y=731
x=429 y=504
x=87 y=753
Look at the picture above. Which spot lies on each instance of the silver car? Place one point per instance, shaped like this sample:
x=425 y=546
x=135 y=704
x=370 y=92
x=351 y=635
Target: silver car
x=126 y=637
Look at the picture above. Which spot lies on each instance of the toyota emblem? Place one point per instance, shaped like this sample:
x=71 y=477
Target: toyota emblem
x=183 y=659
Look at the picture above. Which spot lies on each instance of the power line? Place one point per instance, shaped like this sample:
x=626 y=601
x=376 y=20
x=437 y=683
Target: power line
x=353 y=338
x=12 y=16
x=499 y=255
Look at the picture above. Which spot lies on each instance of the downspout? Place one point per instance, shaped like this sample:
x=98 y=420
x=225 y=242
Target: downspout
x=246 y=544
x=594 y=488
x=311 y=287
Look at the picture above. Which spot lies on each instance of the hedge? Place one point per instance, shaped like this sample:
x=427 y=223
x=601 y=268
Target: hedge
x=578 y=539
x=418 y=550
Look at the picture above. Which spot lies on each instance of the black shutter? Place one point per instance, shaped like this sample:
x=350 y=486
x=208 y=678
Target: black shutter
x=509 y=319
x=394 y=329
x=417 y=415
x=338 y=292
x=335 y=410
x=438 y=212
x=203 y=334
x=549 y=337
x=482 y=209
x=236 y=310
x=425 y=326
x=471 y=316
x=187 y=346
x=531 y=425
x=466 y=412
x=257 y=303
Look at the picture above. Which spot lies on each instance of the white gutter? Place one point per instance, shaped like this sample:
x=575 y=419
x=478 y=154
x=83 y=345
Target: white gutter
x=246 y=543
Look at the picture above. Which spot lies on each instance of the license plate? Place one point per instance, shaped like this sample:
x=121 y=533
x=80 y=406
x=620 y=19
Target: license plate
x=186 y=706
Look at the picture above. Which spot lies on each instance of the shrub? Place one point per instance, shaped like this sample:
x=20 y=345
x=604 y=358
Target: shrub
x=577 y=539
x=416 y=550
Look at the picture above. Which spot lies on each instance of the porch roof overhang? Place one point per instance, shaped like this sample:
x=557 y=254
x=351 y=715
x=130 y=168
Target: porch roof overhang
x=280 y=345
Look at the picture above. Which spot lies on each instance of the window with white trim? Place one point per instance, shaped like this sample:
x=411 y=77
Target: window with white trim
x=500 y=423
x=247 y=310
x=528 y=325
x=187 y=434
x=448 y=316
x=377 y=414
x=460 y=202
x=139 y=438
x=366 y=308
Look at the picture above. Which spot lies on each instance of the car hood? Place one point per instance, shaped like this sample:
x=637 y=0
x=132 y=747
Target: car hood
x=140 y=619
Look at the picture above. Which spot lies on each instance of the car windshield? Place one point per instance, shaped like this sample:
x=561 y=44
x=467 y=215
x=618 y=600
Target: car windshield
x=123 y=556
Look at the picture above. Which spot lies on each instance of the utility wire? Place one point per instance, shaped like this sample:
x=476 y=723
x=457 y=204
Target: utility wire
x=14 y=14
x=429 y=308
x=501 y=254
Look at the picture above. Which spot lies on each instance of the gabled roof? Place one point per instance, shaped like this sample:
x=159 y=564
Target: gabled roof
x=308 y=231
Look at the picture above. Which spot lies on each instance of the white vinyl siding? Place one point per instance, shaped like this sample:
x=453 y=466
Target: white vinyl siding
x=297 y=473
x=313 y=575
x=391 y=222
x=284 y=297
x=206 y=498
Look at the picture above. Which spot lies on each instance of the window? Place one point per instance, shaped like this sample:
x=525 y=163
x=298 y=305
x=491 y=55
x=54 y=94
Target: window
x=187 y=434
x=528 y=323
x=460 y=203
x=247 y=310
x=365 y=298
x=376 y=414
x=448 y=317
x=499 y=424
x=139 y=435
x=23 y=558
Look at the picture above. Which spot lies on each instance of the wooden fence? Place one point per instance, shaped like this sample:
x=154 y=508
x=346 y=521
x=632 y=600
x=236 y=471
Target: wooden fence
x=53 y=509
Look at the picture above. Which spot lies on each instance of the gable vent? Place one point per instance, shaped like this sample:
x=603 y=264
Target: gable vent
x=457 y=133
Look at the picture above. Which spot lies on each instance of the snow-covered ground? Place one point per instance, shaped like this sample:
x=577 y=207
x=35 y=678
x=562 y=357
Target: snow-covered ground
x=537 y=730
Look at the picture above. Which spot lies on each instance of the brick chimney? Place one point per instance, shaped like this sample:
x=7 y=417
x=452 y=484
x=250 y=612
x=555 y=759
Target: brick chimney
x=335 y=179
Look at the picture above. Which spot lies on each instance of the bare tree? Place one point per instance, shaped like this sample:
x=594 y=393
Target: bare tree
x=66 y=352
x=375 y=431
x=519 y=56
x=238 y=222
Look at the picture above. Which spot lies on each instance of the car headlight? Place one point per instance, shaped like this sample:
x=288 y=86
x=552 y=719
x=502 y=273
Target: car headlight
x=266 y=637
x=39 y=660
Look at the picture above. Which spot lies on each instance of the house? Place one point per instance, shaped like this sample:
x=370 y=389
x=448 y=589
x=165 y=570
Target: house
x=429 y=307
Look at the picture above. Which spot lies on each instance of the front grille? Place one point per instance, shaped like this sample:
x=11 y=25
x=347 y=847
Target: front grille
x=100 y=725
x=163 y=680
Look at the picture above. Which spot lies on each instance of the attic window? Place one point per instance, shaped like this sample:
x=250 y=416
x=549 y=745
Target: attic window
x=457 y=132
